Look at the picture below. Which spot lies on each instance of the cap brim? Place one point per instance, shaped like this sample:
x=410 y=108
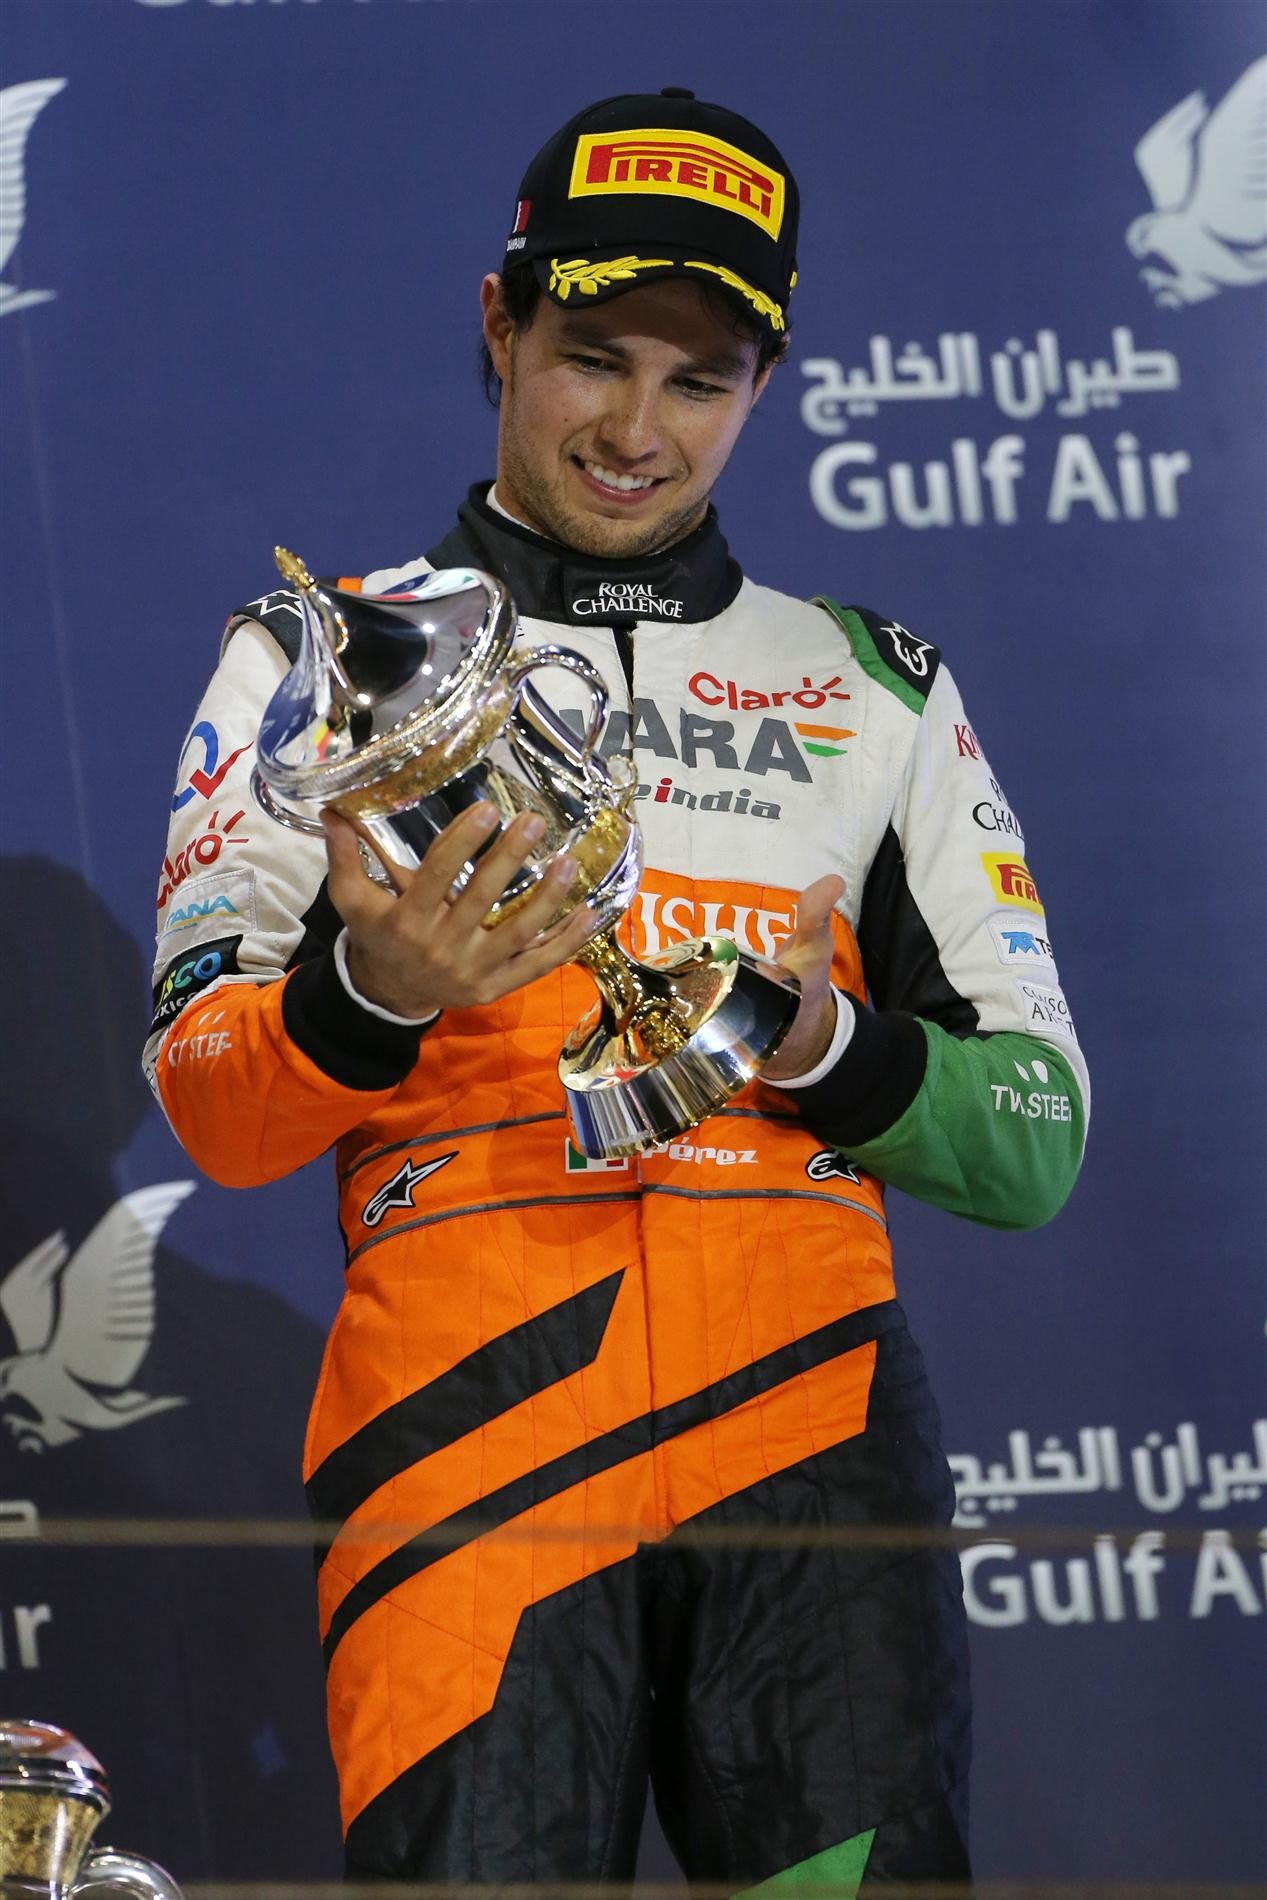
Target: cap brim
x=573 y=282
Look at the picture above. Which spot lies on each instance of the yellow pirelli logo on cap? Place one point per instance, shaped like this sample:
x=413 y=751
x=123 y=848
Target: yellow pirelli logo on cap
x=674 y=164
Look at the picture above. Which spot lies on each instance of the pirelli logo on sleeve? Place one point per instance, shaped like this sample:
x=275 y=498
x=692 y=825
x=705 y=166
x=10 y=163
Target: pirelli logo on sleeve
x=1010 y=877
x=676 y=164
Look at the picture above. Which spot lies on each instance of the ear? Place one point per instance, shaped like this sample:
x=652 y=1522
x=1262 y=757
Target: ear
x=758 y=386
x=497 y=324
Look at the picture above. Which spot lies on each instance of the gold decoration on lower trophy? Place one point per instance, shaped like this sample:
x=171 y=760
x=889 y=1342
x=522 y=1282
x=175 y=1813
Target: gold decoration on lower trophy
x=579 y=274
x=41 y=1834
x=763 y=305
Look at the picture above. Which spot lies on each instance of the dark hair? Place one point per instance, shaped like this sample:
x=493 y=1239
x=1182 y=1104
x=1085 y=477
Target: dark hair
x=521 y=294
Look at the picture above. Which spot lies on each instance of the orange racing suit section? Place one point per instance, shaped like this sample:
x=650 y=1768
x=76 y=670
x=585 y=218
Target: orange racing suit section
x=543 y=1368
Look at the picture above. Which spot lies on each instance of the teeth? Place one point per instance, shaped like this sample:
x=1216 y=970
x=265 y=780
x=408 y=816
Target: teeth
x=610 y=479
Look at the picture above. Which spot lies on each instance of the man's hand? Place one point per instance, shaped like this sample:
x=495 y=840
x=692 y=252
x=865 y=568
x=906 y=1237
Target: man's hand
x=807 y=954
x=424 y=949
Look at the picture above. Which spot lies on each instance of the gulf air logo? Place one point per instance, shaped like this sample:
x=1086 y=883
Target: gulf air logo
x=675 y=164
x=1011 y=880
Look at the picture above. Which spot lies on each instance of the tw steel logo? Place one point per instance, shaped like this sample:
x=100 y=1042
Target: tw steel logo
x=679 y=165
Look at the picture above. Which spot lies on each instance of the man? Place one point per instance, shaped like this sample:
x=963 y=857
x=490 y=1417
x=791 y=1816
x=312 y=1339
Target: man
x=612 y=1451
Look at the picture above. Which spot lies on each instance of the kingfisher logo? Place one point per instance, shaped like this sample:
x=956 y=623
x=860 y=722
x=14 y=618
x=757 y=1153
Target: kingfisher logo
x=1011 y=881
x=668 y=909
x=675 y=164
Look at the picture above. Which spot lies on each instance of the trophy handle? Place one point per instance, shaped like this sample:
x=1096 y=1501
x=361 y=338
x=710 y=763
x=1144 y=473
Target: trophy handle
x=110 y=1875
x=548 y=741
x=282 y=814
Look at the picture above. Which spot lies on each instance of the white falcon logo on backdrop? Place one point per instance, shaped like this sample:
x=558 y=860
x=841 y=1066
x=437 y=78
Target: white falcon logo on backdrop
x=83 y=1328
x=1207 y=174
x=20 y=106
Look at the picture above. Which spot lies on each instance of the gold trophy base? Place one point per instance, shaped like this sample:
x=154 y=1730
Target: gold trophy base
x=670 y=1040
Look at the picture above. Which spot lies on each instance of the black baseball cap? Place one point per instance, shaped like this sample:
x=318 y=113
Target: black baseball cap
x=651 y=185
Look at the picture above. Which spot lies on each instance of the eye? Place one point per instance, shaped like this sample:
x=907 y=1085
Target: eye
x=593 y=365
x=700 y=391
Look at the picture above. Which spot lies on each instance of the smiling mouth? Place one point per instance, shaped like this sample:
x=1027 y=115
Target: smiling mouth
x=614 y=486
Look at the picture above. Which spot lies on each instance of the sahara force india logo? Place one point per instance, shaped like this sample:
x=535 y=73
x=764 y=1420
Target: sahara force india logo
x=777 y=745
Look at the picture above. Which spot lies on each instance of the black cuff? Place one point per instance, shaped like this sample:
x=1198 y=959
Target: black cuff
x=873 y=1084
x=349 y=1044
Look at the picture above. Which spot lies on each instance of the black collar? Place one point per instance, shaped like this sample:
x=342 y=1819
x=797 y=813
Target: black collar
x=695 y=579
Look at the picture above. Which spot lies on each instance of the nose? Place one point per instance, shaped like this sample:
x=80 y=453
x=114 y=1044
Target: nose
x=630 y=427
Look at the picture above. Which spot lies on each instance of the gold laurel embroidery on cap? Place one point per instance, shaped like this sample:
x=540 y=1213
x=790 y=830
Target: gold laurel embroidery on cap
x=579 y=274
x=763 y=305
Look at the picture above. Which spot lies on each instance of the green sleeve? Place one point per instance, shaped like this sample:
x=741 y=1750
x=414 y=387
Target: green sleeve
x=995 y=1130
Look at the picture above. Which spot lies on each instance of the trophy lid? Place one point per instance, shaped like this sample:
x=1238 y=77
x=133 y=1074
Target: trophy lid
x=37 y=1758
x=379 y=677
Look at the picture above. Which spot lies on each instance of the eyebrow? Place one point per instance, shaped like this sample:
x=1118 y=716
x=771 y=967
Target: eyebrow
x=724 y=363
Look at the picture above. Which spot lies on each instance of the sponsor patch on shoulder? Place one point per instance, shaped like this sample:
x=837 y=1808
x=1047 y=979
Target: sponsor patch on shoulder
x=193 y=970
x=1021 y=942
x=208 y=906
x=1046 y=1009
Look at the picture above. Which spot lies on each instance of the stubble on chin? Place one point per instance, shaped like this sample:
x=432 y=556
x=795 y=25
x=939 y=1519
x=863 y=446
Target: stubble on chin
x=593 y=534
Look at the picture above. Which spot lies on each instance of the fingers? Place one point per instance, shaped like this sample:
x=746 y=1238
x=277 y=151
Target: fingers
x=816 y=903
x=352 y=892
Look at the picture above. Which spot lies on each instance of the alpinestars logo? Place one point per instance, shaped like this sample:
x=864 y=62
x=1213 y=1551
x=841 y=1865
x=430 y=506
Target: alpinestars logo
x=626 y=600
x=912 y=652
x=82 y=1323
x=399 y=1191
x=829 y=1164
x=20 y=107
x=1206 y=173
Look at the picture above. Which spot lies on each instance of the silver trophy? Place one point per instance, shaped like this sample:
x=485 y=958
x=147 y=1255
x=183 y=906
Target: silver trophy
x=404 y=709
x=53 y=1793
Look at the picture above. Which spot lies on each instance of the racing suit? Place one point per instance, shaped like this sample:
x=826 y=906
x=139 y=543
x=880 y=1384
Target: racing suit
x=604 y=1446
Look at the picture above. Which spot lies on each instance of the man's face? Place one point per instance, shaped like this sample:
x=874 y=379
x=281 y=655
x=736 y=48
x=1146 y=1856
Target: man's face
x=617 y=420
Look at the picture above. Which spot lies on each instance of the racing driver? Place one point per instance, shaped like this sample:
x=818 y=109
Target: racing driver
x=606 y=1454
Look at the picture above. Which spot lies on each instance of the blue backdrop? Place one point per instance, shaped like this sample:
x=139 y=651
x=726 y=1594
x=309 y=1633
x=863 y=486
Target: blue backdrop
x=240 y=244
